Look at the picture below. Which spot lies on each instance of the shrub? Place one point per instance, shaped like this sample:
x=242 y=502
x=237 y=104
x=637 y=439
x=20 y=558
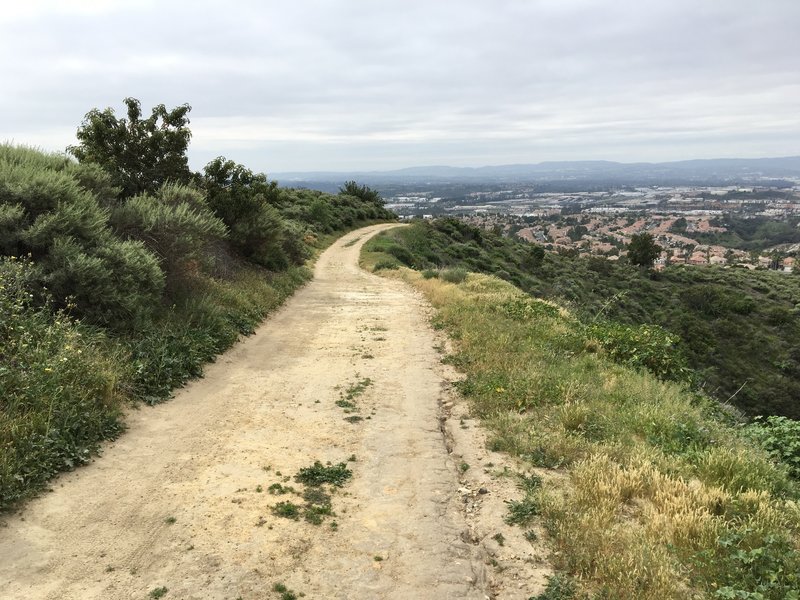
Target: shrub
x=559 y=587
x=388 y=264
x=647 y=346
x=66 y=231
x=175 y=224
x=116 y=284
x=780 y=436
x=454 y=275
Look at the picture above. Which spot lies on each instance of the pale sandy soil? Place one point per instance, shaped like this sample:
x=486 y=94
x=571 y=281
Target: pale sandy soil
x=175 y=502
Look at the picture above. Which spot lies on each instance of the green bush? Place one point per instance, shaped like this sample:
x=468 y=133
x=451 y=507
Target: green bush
x=62 y=226
x=387 y=264
x=647 y=346
x=175 y=224
x=750 y=566
x=780 y=436
x=454 y=275
x=116 y=284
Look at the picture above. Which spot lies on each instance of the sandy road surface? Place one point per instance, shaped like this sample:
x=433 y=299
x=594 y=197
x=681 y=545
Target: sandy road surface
x=176 y=501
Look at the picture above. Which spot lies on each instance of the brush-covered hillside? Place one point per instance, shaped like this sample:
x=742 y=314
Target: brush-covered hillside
x=123 y=272
x=733 y=332
x=642 y=488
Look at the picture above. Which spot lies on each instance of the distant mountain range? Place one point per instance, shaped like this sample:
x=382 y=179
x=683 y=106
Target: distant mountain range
x=720 y=170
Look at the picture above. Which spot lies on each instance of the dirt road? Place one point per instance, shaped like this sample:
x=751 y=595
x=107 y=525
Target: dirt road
x=182 y=501
x=196 y=500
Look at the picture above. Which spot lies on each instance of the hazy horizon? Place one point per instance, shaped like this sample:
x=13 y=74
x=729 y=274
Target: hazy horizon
x=363 y=86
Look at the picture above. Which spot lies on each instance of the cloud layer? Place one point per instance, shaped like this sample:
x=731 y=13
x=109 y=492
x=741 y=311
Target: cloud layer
x=318 y=84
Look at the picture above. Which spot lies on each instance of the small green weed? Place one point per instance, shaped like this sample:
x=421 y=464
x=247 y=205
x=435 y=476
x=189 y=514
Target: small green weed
x=314 y=513
x=317 y=474
x=285 y=592
x=559 y=587
x=276 y=489
x=287 y=510
x=521 y=512
x=358 y=388
x=170 y=520
x=158 y=592
x=499 y=538
x=530 y=483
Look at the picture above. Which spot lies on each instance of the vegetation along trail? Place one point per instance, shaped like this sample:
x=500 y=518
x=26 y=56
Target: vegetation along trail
x=215 y=494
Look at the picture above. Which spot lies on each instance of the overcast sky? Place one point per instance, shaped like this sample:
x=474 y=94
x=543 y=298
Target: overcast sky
x=374 y=84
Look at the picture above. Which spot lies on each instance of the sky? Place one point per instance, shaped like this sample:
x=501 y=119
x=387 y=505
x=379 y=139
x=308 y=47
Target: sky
x=348 y=85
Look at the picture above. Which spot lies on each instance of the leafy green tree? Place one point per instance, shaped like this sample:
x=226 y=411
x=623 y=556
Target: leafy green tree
x=679 y=226
x=351 y=188
x=245 y=201
x=643 y=250
x=141 y=154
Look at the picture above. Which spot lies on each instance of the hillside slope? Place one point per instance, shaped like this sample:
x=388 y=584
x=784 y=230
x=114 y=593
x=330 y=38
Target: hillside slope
x=738 y=329
x=643 y=489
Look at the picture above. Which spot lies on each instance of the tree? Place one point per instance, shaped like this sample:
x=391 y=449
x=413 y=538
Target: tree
x=351 y=188
x=140 y=154
x=245 y=201
x=679 y=225
x=643 y=250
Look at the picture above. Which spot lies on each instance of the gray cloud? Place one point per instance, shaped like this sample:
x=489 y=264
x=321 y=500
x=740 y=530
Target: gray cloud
x=318 y=84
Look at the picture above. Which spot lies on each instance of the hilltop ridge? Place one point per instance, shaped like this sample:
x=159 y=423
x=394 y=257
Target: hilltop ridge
x=740 y=170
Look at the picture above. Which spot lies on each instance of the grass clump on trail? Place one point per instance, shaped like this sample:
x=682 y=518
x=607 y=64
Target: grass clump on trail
x=317 y=474
x=648 y=490
x=317 y=500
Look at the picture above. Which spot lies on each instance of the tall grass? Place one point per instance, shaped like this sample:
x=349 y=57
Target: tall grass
x=664 y=497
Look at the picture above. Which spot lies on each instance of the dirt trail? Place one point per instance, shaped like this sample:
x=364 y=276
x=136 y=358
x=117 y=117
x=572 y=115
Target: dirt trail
x=175 y=502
